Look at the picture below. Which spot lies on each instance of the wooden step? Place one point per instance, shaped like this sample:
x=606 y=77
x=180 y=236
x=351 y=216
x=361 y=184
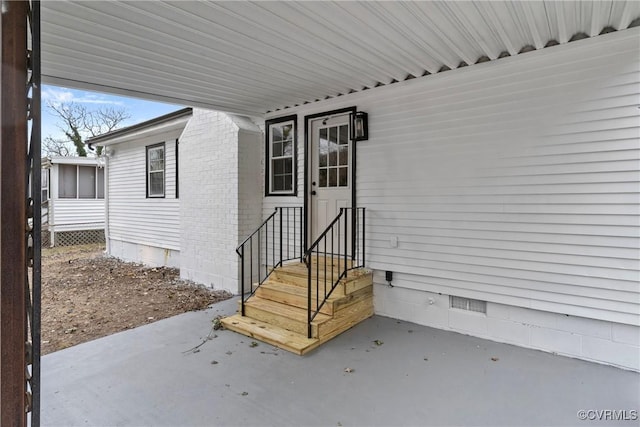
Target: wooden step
x=282 y=315
x=295 y=319
x=297 y=296
x=297 y=275
x=335 y=261
x=292 y=295
x=274 y=335
x=277 y=312
x=347 y=318
x=293 y=341
x=300 y=268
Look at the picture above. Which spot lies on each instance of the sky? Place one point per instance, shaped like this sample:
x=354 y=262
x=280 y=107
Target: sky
x=139 y=110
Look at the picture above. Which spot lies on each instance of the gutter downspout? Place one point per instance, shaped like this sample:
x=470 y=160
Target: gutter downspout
x=106 y=201
x=53 y=195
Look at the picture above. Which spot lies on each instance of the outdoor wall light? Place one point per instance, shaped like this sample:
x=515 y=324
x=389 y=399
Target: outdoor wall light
x=359 y=126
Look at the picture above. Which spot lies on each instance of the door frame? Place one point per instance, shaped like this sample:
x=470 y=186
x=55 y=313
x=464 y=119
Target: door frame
x=307 y=165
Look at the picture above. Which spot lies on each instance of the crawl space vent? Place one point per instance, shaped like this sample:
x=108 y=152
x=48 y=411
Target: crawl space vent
x=468 y=304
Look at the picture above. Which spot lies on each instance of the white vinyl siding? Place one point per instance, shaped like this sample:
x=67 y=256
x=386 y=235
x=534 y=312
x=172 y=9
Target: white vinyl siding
x=77 y=214
x=514 y=181
x=67 y=212
x=133 y=217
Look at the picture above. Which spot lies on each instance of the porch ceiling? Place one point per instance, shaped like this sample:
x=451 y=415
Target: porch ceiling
x=254 y=57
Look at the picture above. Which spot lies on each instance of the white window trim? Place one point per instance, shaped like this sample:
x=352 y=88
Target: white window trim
x=271 y=158
x=150 y=148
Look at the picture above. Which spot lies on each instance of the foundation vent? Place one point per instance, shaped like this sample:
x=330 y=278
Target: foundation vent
x=468 y=304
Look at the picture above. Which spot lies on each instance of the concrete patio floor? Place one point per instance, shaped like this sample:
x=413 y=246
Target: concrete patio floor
x=417 y=376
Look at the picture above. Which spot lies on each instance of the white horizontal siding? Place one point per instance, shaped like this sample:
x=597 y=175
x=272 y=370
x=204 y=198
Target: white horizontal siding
x=516 y=181
x=133 y=217
x=77 y=214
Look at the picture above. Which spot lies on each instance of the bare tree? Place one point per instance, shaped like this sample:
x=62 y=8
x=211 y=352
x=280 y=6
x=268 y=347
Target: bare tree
x=55 y=147
x=80 y=123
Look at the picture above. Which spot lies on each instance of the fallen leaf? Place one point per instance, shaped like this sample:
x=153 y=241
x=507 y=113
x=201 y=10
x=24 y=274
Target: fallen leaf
x=253 y=344
x=244 y=393
x=214 y=362
x=217 y=323
x=378 y=342
x=495 y=359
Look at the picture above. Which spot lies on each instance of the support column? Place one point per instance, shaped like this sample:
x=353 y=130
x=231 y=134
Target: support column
x=13 y=173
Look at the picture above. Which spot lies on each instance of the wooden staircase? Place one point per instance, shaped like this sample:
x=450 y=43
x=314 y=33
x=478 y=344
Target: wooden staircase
x=277 y=312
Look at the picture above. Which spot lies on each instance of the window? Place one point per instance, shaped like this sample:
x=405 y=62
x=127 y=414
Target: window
x=281 y=157
x=100 y=185
x=86 y=182
x=67 y=181
x=44 y=184
x=333 y=157
x=155 y=170
x=79 y=182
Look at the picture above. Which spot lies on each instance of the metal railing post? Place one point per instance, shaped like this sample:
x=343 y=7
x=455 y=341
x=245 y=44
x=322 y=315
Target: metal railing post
x=346 y=243
x=364 y=251
x=302 y=248
x=259 y=261
x=308 y=297
x=242 y=278
x=280 y=209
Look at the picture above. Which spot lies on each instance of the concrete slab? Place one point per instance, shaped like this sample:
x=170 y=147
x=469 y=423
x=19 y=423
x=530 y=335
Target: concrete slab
x=418 y=376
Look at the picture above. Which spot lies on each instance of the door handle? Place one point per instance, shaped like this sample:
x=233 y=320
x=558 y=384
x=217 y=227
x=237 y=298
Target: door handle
x=313 y=193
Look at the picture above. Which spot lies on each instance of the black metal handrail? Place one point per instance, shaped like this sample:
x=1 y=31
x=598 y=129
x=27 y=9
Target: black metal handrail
x=341 y=248
x=278 y=239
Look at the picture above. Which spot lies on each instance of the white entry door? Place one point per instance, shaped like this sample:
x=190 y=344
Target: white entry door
x=331 y=169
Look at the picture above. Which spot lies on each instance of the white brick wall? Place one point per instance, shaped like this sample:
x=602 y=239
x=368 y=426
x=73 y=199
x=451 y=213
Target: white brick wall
x=250 y=182
x=218 y=194
x=208 y=200
x=595 y=340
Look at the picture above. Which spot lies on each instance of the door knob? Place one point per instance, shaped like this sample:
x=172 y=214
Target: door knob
x=313 y=193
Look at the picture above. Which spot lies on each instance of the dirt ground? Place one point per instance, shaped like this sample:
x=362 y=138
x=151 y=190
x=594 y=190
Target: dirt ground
x=86 y=295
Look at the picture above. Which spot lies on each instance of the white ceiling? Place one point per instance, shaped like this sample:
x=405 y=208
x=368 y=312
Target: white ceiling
x=254 y=57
